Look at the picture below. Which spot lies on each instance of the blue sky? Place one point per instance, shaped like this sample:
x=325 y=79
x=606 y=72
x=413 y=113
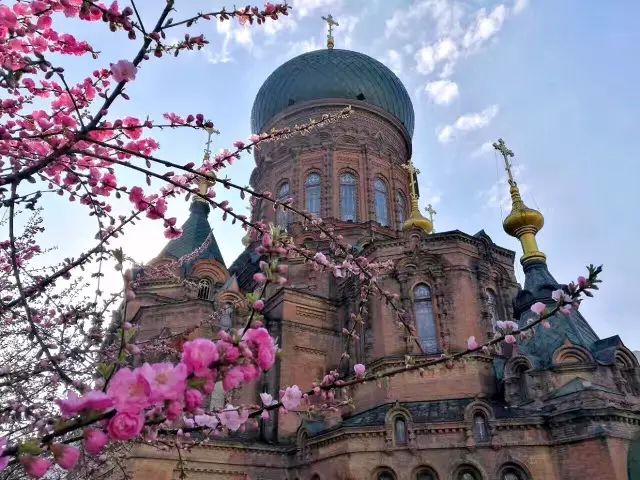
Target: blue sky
x=555 y=79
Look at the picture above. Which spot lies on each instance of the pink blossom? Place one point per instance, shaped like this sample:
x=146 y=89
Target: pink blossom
x=561 y=297
x=36 y=467
x=193 y=399
x=291 y=397
x=123 y=71
x=260 y=340
x=130 y=390
x=538 y=308
x=94 y=400
x=583 y=282
x=259 y=277
x=472 y=344
x=267 y=399
x=359 y=370
x=174 y=410
x=233 y=378
x=266 y=240
x=125 y=425
x=510 y=339
x=206 y=421
x=231 y=418
x=66 y=455
x=94 y=441
x=167 y=381
x=546 y=324
x=198 y=355
x=258 y=305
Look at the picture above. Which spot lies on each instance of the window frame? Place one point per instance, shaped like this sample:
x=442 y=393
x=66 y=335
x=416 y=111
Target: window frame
x=356 y=205
x=379 y=180
x=282 y=215
x=307 y=190
x=418 y=302
x=400 y=219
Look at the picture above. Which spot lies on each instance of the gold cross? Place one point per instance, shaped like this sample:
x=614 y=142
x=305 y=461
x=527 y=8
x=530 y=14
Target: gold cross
x=332 y=23
x=506 y=153
x=413 y=172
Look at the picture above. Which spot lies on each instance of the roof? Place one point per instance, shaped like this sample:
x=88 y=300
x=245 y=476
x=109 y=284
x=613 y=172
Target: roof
x=332 y=73
x=579 y=384
x=195 y=232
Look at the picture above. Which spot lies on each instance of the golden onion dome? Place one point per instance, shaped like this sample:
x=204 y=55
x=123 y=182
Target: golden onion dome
x=418 y=222
x=523 y=218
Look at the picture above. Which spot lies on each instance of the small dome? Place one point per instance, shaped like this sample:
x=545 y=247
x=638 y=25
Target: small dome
x=332 y=73
x=523 y=218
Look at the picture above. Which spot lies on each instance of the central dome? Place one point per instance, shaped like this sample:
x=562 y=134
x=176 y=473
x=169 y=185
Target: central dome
x=332 y=74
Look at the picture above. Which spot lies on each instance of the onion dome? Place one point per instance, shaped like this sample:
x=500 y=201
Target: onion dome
x=332 y=74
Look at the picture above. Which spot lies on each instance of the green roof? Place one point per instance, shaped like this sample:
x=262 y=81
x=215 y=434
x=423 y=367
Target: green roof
x=195 y=232
x=324 y=74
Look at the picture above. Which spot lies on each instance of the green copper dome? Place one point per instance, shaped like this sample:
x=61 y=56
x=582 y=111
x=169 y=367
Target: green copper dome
x=332 y=74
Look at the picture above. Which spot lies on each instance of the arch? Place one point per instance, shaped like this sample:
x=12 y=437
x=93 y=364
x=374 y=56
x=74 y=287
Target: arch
x=626 y=365
x=467 y=472
x=384 y=473
x=282 y=215
x=381 y=201
x=400 y=431
x=569 y=354
x=315 y=476
x=204 y=289
x=424 y=472
x=512 y=471
x=480 y=427
x=312 y=193
x=348 y=197
x=424 y=318
x=401 y=209
x=626 y=359
x=516 y=373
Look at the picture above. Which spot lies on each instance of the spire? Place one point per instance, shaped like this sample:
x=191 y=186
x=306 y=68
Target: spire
x=331 y=23
x=523 y=222
x=203 y=185
x=431 y=213
x=416 y=219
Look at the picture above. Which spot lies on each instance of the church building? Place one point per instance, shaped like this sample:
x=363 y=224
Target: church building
x=563 y=404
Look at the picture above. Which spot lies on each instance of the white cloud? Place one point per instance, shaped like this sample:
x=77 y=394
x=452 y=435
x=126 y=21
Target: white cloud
x=393 y=59
x=442 y=92
x=446 y=16
x=484 y=27
x=482 y=150
x=428 y=57
x=344 y=37
x=303 y=8
x=498 y=195
x=466 y=123
x=303 y=46
x=519 y=6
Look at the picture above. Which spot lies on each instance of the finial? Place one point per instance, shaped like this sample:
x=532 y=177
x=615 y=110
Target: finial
x=523 y=222
x=332 y=23
x=203 y=184
x=416 y=219
x=431 y=213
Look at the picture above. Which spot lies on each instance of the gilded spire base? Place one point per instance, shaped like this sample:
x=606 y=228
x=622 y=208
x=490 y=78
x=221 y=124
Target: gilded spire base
x=416 y=219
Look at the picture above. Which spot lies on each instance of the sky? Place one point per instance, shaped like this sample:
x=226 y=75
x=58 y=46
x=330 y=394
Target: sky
x=555 y=79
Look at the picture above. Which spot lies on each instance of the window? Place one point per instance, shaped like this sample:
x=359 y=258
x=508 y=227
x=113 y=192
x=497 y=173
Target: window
x=400 y=431
x=226 y=316
x=467 y=472
x=217 y=397
x=348 y=198
x=521 y=374
x=480 y=428
x=425 y=324
x=512 y=472
x=401 y=210
x=204 y=289
x=282 y=215
x=492 y=307
x=386 y=475
x=426 y=474
x=312 y=194
x=381 y=201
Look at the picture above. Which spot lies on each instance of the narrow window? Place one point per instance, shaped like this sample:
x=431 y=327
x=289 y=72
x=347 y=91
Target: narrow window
x=282 y=215
x=401 y=210
x=204 y=289
x=425 y=324
x=480 y=428
x=492 y=307
x=226 y=316
x=312 y=194
x=348 y=198
x=400 y=431
x=381 y=201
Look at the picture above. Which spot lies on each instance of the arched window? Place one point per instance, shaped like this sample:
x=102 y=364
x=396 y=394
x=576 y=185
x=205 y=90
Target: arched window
x=312 y=194
x=521 y=375
x=401 y=210
x=512 y=472
x=204 y=288
x=426 y=474
x=386 y=475
x=480 y=427
x=492 y=307
x=226 y=316
x=467 y=472
x=217 y=397
x=400 y=430
x=282 y=215
x=348 y=198
x=425 y=324
x=381 y=201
